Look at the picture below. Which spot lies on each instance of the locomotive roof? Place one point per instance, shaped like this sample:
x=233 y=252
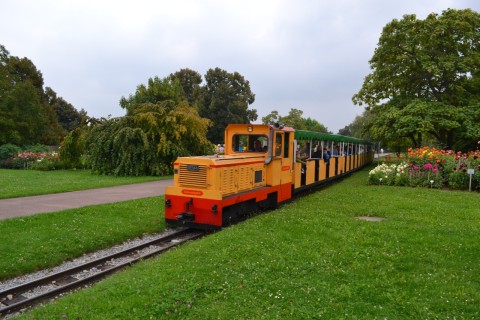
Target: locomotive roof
x=311 y=135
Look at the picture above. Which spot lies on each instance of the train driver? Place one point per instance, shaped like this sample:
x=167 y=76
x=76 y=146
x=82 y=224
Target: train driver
x=257 y=146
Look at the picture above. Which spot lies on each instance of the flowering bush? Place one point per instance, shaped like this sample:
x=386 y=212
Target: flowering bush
x=429 y=167
x=39 y=160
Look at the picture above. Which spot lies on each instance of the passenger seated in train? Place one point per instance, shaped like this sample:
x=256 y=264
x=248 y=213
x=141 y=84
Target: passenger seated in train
x=317 y=154
x=257 y=146
x=326 y=156
x=336 y=151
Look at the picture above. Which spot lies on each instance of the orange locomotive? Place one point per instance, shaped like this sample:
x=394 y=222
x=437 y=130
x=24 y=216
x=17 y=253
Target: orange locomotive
x=261 y=168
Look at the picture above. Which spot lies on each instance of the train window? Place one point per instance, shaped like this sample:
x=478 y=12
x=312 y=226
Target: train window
x=286 y=145
x=278 y=144
x=250 y=143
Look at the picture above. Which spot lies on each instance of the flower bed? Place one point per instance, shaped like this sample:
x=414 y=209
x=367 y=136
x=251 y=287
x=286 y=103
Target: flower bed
x=429 y=167
x=39 y=160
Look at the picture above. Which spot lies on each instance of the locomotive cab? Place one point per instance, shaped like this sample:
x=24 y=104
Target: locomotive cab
x=255 y=172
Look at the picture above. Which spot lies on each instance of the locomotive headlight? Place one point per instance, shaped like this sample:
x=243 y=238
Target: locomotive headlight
x=168 y=203
x=214 y=208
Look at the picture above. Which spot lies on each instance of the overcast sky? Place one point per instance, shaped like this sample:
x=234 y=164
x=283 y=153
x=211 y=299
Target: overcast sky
x=309 y=55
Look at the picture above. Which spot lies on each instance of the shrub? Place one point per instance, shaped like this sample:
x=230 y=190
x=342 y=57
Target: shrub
x=48 y=164
x=7 y=153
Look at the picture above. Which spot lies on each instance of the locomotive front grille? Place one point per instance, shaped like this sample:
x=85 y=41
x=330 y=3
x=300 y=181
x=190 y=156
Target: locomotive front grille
x=192 y=175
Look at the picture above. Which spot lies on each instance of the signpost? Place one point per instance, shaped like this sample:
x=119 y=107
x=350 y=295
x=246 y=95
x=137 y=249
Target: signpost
x=471 y=172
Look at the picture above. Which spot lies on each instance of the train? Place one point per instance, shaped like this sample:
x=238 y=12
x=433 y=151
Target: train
x=262 y=166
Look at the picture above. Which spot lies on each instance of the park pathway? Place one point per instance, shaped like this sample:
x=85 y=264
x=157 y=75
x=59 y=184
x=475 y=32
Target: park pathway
x=25 y=206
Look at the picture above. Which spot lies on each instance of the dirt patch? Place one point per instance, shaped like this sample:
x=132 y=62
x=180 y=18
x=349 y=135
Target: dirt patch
x=372 y=219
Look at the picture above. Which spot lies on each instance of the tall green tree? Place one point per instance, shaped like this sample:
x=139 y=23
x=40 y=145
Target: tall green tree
x=22 y=118
x=190 y=81
x=226 y=100
x=26 y=116
x=425 y=78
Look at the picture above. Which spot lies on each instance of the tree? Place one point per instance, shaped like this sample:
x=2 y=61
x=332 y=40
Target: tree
x=156 y=90
x=294 y=119
x=68 y=117
x=271 y=118
x=358 y=127
x=22 y=119
x=160 y=126
x=425 y=75
x=226 y=100
x=26 y=116
x=190 y=81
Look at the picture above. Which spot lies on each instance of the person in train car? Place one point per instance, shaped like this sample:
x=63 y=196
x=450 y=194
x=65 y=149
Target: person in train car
x=257 y=146
x=317 y=154
x=336 y=151
x=326 y=155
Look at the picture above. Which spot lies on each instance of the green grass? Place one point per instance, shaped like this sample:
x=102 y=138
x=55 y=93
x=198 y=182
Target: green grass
x=311 y=259
x=21 y=183
x=39 y=241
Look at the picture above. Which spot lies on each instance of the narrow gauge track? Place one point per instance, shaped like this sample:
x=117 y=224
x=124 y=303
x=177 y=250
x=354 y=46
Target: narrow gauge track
x=31 y=293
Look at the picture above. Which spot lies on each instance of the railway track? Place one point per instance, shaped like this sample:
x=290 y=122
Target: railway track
x=28 y=294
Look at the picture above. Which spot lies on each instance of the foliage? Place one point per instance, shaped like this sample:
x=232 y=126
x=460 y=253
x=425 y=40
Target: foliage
x=8 y=151
x=190 y=81
x=150 y=137
x=156 y=90
x=7 y=155
x=294 y=119
x=72 y=150
x=225 y=99
x=428 y=167
x=28 y=115
x=424 y=83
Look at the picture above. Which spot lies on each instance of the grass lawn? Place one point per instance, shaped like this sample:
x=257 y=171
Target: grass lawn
x=39 y=241
x=310 y=259
x=21 y=183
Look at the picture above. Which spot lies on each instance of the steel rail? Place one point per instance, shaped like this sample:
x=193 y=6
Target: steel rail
x=14 y=300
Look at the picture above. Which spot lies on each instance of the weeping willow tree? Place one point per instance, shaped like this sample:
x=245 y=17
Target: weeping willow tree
x=157 y=129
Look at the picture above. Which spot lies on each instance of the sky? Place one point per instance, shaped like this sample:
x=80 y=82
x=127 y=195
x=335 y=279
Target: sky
x=303 y=54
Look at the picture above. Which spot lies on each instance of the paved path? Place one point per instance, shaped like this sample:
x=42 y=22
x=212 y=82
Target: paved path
x=26 y=206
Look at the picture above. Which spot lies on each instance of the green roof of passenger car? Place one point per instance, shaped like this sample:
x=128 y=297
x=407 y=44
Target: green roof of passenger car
x=310 y=135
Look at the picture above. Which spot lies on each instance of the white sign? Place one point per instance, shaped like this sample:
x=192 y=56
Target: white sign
x=471 y=171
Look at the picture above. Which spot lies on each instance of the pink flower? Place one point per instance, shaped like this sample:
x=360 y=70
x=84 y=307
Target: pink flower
x=427 y=166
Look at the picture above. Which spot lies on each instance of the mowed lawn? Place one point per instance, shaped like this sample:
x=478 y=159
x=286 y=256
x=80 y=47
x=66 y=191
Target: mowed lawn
x=310 y=259
x=21 y=183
